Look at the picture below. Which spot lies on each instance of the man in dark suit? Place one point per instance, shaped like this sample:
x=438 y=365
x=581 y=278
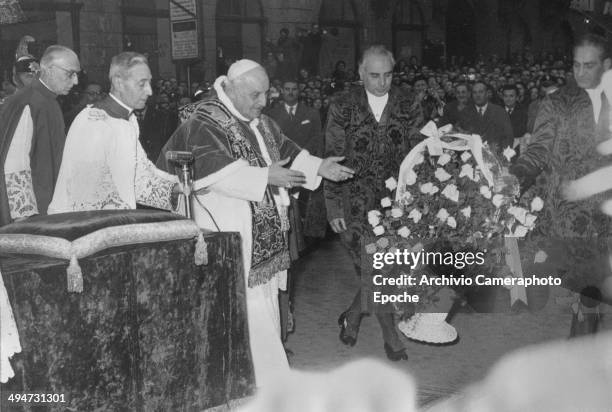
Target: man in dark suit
x=299 y=122
x=517 y=113
x=487 y=119
x=302 y=124
x=157 y=122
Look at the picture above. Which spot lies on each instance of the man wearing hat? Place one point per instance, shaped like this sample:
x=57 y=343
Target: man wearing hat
x=243 y=167
x=33 y=135
x=25 y=71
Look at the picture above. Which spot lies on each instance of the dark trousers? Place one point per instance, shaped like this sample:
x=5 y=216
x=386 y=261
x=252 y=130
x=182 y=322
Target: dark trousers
x=358 y=308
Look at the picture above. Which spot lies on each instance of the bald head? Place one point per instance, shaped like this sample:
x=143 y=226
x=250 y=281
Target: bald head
x=247 y=86
x=59 y=68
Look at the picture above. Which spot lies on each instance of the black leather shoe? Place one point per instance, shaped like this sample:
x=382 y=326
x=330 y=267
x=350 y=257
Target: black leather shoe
x=348 y=332
x=395 y=355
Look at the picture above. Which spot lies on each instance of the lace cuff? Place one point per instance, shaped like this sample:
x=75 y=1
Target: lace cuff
x=155 y=191
x=20 y=191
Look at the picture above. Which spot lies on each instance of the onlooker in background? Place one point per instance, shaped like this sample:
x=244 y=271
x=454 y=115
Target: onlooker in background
x=487 y=119
x=157 y=121
x=291 y=50
x=517 y=113
x=302 y=125
x=26 y=68
x=452 y=111
x=33 y=136
x=91 y=94
x=549 y=85
x=311 y=48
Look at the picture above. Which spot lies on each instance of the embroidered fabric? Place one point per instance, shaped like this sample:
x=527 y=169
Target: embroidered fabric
x=153 y=187
x=99 y=193
x=9 y=336
x=20 y=191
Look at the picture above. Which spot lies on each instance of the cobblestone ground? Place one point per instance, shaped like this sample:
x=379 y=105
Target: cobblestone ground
x=325 y=285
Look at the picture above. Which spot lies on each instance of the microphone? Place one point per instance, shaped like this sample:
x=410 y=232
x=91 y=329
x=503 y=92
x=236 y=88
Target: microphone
x=179 y=157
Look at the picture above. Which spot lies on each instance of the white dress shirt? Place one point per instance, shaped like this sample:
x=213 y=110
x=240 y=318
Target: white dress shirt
x=377 y=104
x=595 y=96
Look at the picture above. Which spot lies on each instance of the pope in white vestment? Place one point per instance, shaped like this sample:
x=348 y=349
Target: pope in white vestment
x=240 y=180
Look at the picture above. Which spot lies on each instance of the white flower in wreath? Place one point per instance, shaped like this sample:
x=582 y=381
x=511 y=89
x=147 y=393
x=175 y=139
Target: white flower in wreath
x=427 y=188
x=403 y=232
x=486 y=192
x=442 y=175
x=466 y=156
x=451 y=222
x=498 y=200
x=509 y=153
x=385 y=202
x=370 y=248
x=397 y=212
x=379 y=230
x=451 y=192
x=415 y=215
x=374 y=217
x=382 y=243
x=537 y=204
x=467 y=212
x=406 y=197
x=391 y=183
x=442 y=214
x=520 y=231
x=444 y=159
x=530 y=220
x=519 y=213
x=418 y=159
x=410 y=177
x=467 y=171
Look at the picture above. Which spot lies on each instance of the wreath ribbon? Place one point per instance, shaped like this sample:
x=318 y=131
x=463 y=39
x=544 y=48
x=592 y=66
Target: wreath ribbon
x=434 y=145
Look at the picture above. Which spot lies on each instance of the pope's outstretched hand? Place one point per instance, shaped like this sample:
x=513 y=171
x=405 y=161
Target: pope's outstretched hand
x=331 y=169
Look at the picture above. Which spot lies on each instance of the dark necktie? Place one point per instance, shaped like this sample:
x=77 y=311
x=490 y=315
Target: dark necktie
x=481 y=111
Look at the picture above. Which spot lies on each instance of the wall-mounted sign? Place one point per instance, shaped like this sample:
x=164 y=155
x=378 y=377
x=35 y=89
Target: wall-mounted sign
x=184 y=29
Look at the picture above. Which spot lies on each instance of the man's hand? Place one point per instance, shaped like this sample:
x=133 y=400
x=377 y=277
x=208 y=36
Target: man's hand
x=283 y=177
x=596 y=182
x=332 y=170
x=338 y=225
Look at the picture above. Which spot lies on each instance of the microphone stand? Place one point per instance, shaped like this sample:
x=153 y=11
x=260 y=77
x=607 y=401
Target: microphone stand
x=187 y=187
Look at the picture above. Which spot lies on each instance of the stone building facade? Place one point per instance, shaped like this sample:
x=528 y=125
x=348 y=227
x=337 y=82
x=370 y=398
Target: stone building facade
x=230 y=29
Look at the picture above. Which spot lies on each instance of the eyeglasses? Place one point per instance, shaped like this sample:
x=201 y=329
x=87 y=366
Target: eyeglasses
x=70 y=73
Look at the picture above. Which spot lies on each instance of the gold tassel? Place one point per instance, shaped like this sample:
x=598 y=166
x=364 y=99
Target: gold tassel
x=201 y=252
x=74 y=276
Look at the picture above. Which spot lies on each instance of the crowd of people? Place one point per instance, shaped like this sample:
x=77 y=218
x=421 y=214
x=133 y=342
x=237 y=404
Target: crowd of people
x=260 y=141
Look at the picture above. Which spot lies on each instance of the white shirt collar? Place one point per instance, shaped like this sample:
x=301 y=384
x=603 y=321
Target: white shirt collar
x=125 y=106
x=45 y=84
x=484 y=108
x=372 y=98
x=289 y=107
x=595 y=96
x=377 y=103
x=226 y=100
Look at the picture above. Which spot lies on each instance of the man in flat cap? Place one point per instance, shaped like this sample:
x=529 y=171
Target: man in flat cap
x=243 y=167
